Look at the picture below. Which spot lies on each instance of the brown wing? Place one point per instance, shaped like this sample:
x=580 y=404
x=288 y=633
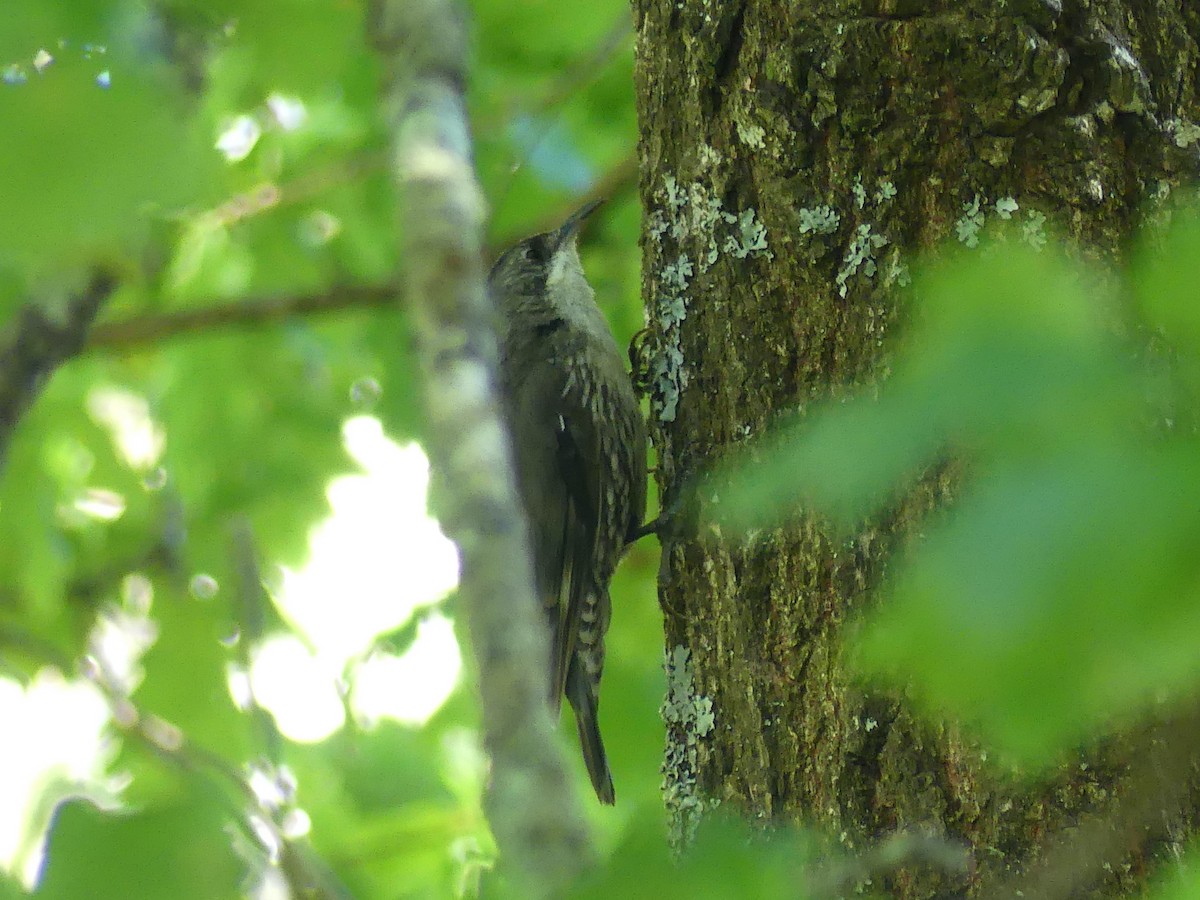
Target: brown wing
x=569 y=482
x=578 y=473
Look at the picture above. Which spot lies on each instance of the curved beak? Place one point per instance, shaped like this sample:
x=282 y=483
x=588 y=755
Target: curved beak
x=570 y=229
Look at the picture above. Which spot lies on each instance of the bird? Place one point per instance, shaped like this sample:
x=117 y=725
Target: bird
x=579 y=447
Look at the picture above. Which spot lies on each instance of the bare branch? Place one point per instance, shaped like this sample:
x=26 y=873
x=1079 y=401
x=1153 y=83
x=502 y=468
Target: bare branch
x=38 y=341
x=532 y=808
x=138 y=331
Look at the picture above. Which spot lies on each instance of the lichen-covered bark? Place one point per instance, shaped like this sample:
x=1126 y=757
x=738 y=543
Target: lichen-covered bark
x=796 y=156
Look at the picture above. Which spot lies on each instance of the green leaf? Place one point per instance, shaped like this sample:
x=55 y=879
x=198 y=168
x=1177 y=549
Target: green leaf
x=330 y=32
x=35 y=559
x=1164 y=284
x=175 y=851
x=390 y=764
x=728 y=859
x=381 y=816
x=185 y=679
x=1180 y=879
x=1057 y=595
x=1052 y=599
x=56 y=454
x=10 y=889
x=1010 y=354
x=389 y=337
x=91 y=164
x=366 y=245
x=253 y=424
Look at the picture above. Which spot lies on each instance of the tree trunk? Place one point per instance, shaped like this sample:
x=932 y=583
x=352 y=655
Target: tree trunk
x=795 y=157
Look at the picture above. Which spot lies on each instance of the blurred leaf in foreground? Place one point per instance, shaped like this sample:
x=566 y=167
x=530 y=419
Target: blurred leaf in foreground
x=729 y=859
x=1180 y=881
x=1058 y=594
x=125 y=146
x=1009 y=355
x=179 y=851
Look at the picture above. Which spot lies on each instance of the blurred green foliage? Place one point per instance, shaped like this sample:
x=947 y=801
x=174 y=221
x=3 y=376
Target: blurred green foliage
x=180 y=849
x=1180 y=882
x=729 y=858
x=111 y=113
x=1056 y=595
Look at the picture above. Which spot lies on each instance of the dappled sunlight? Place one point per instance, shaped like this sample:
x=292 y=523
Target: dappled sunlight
x=59 y=727
x=214 y=522
x=412 y=687
x=301 y=694
x=126 y=416
x=379 y=556
x=375 y=561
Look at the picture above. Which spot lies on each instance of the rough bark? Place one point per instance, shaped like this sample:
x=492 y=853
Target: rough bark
x=796 y=156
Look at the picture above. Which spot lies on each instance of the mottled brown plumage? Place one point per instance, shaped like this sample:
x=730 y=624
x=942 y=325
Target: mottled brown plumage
x=580 y=447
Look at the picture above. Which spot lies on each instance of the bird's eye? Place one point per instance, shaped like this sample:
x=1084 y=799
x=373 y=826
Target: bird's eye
x=539 y=248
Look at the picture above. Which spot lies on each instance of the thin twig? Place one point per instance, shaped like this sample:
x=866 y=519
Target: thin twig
x=155 y=327
x=137 y=331
x=250 y=602
x=308 y=876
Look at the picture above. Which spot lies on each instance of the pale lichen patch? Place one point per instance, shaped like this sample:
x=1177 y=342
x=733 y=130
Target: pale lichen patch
x=1033 y=230
x=752 y=136
x=1183 y=132
x=860 y=256
x=749 y=239
x=860 y=192
x=689 y=717
x=819 y=220
x=1005 y=207
x=692 y=217
x=968 y=226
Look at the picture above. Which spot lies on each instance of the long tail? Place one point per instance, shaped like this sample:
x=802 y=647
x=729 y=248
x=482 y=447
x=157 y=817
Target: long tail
x=583 y=702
